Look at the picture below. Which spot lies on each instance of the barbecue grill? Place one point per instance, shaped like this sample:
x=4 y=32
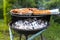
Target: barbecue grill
x=17 y=17
x=35 y=22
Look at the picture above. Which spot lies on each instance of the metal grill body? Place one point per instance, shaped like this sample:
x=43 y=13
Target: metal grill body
x=23 y=17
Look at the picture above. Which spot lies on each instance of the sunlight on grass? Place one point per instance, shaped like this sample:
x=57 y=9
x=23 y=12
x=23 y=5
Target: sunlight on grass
x=2 y=25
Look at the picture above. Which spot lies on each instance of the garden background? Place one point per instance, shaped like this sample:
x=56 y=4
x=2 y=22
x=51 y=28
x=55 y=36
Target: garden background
x=52 y=33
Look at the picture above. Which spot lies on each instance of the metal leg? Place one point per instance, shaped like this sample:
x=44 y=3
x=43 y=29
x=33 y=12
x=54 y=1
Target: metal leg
x=26 y=37
x=11 y=35
x=20 y=36
x=42 y=37
x=35 y=35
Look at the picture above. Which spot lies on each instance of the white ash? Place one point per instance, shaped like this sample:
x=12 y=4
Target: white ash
x=27 y=25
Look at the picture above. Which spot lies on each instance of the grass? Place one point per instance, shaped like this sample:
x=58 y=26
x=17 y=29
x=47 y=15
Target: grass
x=52 y=33
x=3 y=35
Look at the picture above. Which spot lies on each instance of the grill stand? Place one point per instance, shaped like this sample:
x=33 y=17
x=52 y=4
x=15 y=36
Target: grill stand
x=26 y=36
x=20 y=36
x=11 y=35
x=42 y=37
x=31 y=38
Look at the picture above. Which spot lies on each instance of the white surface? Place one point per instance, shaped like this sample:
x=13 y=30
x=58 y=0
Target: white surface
x=30 y=26
x=54 y=11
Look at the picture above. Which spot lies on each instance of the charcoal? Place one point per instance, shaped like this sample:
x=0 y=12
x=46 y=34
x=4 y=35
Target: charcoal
x=30 y=24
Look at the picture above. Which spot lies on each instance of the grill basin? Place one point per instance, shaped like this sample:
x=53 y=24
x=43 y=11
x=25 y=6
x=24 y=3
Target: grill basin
x=16 y=18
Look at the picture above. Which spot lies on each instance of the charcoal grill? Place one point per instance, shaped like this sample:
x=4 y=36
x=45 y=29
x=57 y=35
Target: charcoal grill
x=16 y=17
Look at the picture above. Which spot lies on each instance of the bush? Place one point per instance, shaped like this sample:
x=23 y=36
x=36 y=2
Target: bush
x=1 y=9
x=1 y=13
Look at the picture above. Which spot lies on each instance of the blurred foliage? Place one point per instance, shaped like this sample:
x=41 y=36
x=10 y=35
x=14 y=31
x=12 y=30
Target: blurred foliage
x=52 y=5
x=1 y=9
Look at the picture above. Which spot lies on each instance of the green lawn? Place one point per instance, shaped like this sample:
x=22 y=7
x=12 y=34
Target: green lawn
x=52 y=33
